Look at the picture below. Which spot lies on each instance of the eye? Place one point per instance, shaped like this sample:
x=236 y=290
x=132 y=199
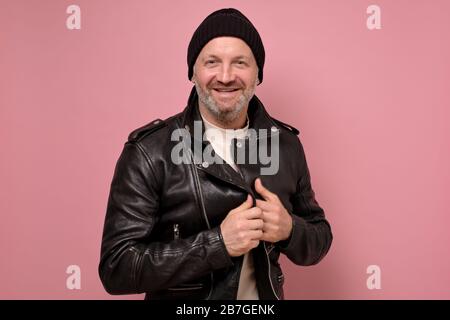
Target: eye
x=211 y=61
x=241 y=63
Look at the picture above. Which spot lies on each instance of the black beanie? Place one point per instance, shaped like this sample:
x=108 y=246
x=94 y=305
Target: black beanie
x=226 y=22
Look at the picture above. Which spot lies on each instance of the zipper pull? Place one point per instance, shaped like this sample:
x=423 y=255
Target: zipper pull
x=176 y=231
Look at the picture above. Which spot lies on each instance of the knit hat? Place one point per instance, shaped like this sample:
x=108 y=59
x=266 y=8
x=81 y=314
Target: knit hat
x=226 y=22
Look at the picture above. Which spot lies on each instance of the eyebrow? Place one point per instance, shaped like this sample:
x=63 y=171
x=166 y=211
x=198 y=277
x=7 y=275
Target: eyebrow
x=242 y=57
x=216 y=57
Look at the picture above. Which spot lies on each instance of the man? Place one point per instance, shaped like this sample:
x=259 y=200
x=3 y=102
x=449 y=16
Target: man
x=211 y=229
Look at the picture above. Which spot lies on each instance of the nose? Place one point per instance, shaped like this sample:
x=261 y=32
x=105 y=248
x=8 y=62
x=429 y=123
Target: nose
x=226 y=74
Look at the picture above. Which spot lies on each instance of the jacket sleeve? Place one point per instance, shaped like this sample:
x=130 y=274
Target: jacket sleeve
x=311 y=235
x=129 y=262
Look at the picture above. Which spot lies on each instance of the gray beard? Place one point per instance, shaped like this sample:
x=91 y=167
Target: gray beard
x=225 y=116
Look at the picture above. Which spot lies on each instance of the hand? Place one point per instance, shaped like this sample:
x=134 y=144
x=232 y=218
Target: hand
x=242 y=228
x=277 y=220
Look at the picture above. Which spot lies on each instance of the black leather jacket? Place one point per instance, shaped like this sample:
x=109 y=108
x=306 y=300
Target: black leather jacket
x=161 y=234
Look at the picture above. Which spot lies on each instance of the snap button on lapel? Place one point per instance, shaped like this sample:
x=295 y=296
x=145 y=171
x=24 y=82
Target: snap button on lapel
x=239 y=144
x=274 y=129
x=205 y=164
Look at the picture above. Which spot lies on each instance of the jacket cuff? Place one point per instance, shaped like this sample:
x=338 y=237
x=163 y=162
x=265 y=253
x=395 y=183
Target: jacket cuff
x=286 y=245
x=221 y=258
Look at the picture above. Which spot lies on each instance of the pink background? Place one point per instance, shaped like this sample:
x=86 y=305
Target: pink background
x=372 y=108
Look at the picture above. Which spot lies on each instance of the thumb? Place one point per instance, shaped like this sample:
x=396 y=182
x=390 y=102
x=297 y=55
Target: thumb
x=263 y=191
x=247 y=204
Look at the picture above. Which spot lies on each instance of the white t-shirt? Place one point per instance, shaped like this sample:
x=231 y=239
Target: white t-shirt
x=220 y=140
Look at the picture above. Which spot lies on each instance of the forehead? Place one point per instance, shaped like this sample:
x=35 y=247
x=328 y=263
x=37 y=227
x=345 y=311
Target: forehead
x=226 y=46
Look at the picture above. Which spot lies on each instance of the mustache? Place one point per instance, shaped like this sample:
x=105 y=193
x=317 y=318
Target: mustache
x=232 y=85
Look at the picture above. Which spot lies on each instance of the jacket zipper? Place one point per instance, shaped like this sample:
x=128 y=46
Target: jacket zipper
x=268 y=268
x=176 y=231
x=186 y=289
x=202 y=203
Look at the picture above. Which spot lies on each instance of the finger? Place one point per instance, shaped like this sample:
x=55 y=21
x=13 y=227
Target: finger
x=255 y=224
x=268 y=227
x=264 y=192
x=266 y=237
x=252 y=213
x=255 y=234
x=254 y=243
x=270 y=218
x=247 y=204
x=265 y=205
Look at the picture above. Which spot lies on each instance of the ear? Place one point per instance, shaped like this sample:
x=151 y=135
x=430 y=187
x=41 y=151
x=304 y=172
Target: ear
x=193 y=75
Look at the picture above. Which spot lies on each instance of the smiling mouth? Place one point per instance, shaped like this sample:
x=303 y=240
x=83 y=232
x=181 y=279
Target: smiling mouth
x=226 y=90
